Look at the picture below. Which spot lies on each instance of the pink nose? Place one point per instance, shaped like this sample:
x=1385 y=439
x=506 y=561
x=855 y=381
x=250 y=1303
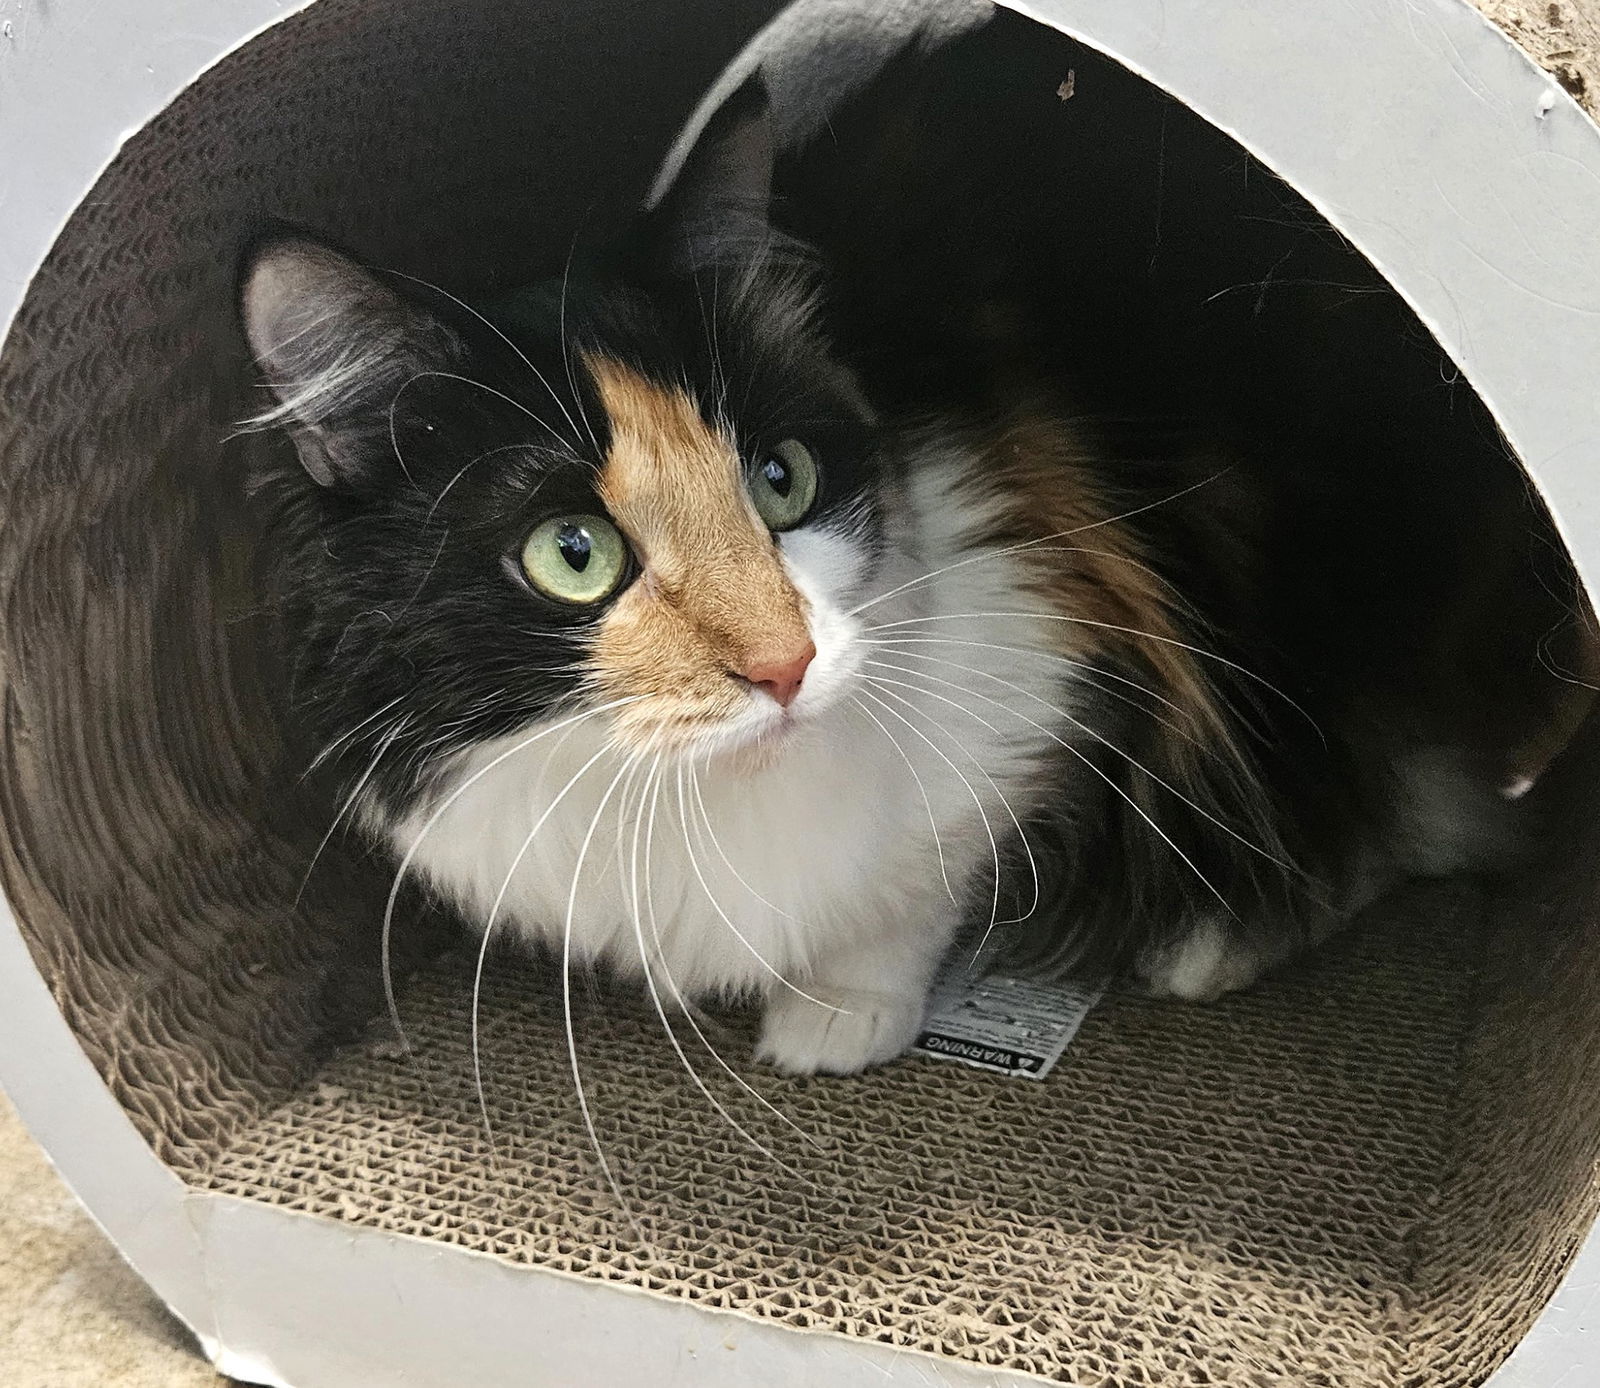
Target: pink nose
x=781 y=678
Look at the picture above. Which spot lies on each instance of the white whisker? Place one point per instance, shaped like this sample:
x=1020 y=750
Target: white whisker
x=927 y=804
x=566 y=350
x=683 y=1005
x=1109 y=626
x=394 y=437
x=1055 y=737
x=465 y=467
x=493 y=920
x=476 y=385
x=1032 y=547
x=1083 y=728
x=439 y=811
x=350 y=801
x=345 y=737
x=704 y=819
x=566 y=1006
x=1000 y=795
x=652 y=787
x=538 y=375
x=694 y=862
x=983 y=814
x=1090 y=674
x=1045 y=539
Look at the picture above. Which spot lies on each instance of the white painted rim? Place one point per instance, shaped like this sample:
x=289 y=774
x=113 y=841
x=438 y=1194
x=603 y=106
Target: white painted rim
x=1416 y=128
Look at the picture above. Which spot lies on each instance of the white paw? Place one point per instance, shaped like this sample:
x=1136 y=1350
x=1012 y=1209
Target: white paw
x=800 y=1038
x=1204 y=965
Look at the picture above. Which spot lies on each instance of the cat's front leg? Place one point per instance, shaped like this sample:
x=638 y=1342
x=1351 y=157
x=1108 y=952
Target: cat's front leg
x=865 y=1000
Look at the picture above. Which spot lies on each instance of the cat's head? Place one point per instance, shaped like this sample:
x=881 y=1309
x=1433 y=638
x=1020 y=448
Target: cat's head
x=655 y=491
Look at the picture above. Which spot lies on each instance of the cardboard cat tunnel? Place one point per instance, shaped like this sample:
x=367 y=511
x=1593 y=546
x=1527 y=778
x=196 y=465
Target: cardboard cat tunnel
x=1376 y=1169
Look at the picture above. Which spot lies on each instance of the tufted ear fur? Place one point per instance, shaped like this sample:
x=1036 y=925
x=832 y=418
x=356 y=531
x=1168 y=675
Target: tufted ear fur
x=336 y=345
x=716 y=211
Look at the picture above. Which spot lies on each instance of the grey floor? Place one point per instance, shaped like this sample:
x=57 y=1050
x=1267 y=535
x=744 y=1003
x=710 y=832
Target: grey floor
x=72 y=1314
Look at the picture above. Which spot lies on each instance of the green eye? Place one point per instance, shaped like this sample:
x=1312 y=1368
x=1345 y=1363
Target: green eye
x=784 y=485
x=575 y=558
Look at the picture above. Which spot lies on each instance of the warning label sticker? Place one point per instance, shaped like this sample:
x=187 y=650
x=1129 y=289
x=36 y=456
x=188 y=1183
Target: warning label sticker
x=1001 y=1022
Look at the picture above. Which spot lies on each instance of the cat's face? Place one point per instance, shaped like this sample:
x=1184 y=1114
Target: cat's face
x=746 y=558
x=593 y=496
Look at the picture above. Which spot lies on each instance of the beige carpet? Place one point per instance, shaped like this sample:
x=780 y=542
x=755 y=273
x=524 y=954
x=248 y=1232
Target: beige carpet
x=72 y=1314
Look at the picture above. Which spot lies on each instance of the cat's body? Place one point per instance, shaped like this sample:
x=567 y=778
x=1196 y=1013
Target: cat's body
x=632 y=630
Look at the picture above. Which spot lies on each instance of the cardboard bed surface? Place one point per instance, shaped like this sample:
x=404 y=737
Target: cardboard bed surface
x=1193 y=1196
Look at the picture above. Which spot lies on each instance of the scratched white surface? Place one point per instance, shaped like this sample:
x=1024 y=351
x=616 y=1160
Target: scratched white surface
x=1417 y=129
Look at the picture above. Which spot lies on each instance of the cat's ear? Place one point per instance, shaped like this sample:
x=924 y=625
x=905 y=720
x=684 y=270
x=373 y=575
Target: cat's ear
x=335 y=345
x=715 y=209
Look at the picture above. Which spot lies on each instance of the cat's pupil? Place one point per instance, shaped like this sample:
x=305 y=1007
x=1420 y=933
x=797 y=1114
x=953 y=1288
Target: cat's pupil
x=778 y=476
x=575 y=546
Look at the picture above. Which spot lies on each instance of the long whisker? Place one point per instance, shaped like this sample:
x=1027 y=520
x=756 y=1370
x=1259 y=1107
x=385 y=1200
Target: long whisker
x=704 y=819
x=439 y=811
x=694 y=862
x=927 y=804
x=566 y=1006
x=683 y=1004
x=467 y=466
x=623 y=811
x=538 y=375
x=1092 y=732
x=394 y=438
x=345 y=737
x=350 y=801
x=1000 y=795
x=1032 y=547
x=1110 y=626
x=566 y=349
x=709 y=322
x=1270 y=283
x=1090 y=674
x=433 y=564
x=476 y=385
x=1045 y=539
x=1118 y=790
x=983 y=814
x=652 y=784
x=493 y=920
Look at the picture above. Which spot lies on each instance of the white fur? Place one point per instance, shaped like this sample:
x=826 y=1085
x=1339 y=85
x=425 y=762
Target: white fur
x=823 y=888
x=1206 y=963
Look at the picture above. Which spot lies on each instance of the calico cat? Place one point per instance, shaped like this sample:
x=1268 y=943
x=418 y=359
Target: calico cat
x=630 y=625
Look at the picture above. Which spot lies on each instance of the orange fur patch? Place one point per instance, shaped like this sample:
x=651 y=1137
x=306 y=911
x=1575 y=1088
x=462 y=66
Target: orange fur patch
x=1090 y=565
x=714 y=599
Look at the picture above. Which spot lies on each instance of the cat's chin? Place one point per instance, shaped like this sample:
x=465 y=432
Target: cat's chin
x=757 y=751
x=758 y=746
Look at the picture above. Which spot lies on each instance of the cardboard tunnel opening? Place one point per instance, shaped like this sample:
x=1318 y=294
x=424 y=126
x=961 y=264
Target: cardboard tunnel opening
x=1373 y=1168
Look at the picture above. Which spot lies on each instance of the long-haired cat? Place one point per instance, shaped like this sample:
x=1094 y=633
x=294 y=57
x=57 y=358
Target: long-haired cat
x=630 y=626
